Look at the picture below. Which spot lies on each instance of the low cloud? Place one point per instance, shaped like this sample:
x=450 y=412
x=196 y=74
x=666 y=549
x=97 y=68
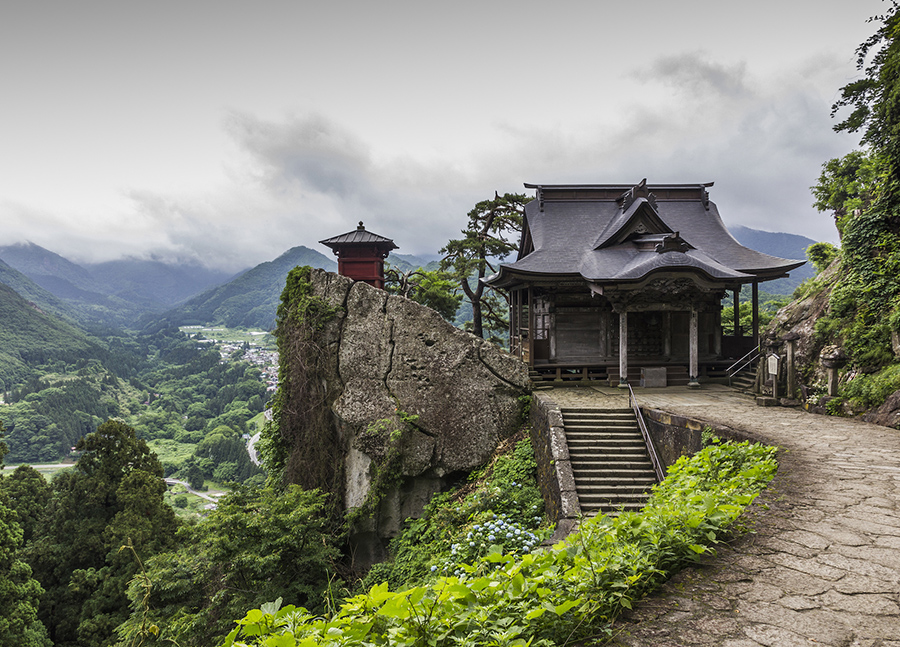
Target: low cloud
x=303 y=178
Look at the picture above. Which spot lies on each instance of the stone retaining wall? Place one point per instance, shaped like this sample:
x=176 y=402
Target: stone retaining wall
x=551 y=452
x=672 y=435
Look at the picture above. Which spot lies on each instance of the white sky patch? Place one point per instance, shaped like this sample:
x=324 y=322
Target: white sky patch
x=229 y=132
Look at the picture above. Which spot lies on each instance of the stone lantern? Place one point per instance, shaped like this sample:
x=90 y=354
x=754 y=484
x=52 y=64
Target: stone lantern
x=833 y=359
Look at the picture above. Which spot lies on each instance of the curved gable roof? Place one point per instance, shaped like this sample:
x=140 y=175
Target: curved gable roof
x=591 y=232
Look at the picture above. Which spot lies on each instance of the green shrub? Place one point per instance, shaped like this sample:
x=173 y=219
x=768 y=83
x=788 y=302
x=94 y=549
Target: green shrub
x=821 y=255
x=505 y=489
x=867 y=391
x=566 y=594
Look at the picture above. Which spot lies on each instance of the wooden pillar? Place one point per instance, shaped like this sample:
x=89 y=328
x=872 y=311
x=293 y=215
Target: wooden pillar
x=513 y=325
x=717 y=335
x=756 y=312
x=530 y=298
x=737 y=311
x=667 y=333
x=623 y=349
x=603 y=334
x=693 y=370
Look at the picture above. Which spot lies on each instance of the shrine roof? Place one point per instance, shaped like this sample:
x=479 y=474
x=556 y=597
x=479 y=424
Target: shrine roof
x=621 y=233
x=359 y=236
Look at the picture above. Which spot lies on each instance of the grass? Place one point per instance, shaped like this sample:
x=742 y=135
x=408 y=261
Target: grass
x=171 y=451
x=48 y=470
x=255 y=336
x=196 y=505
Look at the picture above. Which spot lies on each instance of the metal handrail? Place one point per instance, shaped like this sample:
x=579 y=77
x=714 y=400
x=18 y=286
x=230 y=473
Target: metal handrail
x=743 y=362
x=654 y=458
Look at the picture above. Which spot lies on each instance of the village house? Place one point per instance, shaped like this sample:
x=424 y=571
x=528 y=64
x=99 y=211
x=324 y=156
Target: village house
x=616 y=282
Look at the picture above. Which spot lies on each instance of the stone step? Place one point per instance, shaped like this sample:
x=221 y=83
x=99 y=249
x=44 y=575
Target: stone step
x=614 y=470
x=593 y=411
x=596 y=490
x=587 y=454
x=599 y=424
x=617 y=454
x=613 y=497
x=646 y=480
x=580 y=418
x=616 y=432
x=607 y=504
x=606 y=440
x=611 y=511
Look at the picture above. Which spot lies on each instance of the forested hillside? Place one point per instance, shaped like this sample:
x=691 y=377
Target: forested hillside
x=34 y=293
x=782 y=245
x=114 y=293
x=32 y=340
x=251 y=298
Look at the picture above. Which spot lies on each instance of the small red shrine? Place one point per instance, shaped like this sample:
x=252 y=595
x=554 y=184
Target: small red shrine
x=361 y=255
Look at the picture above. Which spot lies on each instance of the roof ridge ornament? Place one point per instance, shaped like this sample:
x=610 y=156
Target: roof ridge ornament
x=640 y=190
x=673 y=243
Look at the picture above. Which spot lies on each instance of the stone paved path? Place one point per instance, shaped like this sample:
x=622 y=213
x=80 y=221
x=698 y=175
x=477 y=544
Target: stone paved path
x=823 y=565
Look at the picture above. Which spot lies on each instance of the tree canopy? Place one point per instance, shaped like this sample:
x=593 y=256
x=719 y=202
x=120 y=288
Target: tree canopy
x=490 y=236
x=862 y=189
x=113 y=496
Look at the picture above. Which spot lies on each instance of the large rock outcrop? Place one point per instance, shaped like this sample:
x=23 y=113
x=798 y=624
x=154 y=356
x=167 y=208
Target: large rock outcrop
x=799 y=318
x=389 y=358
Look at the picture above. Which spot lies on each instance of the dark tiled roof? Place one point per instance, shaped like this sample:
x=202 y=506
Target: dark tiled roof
x=359 y=236
x=590 y=237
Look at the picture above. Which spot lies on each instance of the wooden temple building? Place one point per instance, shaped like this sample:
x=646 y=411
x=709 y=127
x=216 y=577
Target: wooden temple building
x=612 y=282
x=361 y=255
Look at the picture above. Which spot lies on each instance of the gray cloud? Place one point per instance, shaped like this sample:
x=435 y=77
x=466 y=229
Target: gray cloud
x=303 y=178
x=693 y=73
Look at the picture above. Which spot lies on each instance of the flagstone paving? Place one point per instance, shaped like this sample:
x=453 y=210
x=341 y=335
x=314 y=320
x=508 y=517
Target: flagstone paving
x=822 y=565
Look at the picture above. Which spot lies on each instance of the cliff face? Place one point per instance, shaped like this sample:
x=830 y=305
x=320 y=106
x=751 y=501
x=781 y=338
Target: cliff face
x=411 y=400
x=799 y=320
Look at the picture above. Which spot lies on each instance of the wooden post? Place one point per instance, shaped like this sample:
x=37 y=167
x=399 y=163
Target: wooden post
x=791 y=371
x=530 y=298
x=667 y=334
x=694 y=348
x=717 y=335
x=737 y=312
x=623 y=349
x=756 y=312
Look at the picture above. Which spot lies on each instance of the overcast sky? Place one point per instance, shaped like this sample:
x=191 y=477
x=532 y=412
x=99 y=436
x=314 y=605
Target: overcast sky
x=228 y=132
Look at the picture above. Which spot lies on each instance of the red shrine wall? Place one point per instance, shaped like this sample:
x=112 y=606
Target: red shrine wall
x=368 y=270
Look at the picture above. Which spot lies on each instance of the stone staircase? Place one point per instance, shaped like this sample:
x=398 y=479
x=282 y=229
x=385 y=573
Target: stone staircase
x=609 y=459
x=744 y=381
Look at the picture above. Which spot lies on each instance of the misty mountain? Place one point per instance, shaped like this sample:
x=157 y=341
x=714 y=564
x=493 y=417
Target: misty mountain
x=30 y=337
x=154 y=285
x=31 y=292
x=407 y=262
x=114 y=293
x=250 y=299
x=790 y=246
x=43 y=266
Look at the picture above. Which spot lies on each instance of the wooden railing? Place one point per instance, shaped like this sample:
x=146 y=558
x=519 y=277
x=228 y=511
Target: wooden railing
x=651 y=449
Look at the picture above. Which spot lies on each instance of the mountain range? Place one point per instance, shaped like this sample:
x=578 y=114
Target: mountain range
x=136 y=293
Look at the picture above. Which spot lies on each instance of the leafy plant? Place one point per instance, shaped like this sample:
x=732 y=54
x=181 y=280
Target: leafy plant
x=563 y=595
x=504 y=489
